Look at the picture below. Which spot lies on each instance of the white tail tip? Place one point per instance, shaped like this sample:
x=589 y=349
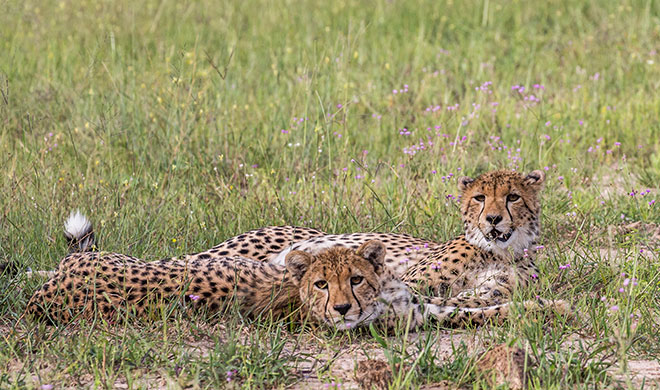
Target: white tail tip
x=77 y=226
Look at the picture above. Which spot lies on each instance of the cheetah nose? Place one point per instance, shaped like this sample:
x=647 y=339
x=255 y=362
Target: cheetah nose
x=493 y=219
x=342 y=309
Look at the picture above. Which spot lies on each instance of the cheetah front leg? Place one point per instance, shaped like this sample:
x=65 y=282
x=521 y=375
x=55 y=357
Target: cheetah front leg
x=479 y=311
x=486 y=294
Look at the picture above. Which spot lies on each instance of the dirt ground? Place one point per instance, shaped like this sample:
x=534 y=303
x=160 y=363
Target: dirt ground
x=341 y=364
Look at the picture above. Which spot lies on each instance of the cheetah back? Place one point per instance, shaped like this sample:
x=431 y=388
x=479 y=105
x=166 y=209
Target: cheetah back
x=259 y=244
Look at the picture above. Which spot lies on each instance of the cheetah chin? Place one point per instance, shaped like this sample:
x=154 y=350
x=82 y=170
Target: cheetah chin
x=365 y=319
x=495 y=234
x=513 y=242
x=373 y=312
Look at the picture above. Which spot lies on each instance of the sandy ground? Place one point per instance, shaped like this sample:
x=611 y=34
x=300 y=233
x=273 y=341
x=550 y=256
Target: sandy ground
x=341 y=362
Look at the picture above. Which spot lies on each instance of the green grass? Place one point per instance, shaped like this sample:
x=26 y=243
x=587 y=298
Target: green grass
x=163 y=122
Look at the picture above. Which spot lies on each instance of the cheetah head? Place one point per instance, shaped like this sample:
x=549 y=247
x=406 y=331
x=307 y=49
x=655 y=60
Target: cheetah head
x=501 y=210
x=340 y=286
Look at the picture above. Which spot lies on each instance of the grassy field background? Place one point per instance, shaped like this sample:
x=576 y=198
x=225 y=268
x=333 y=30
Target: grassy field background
x=175 y=125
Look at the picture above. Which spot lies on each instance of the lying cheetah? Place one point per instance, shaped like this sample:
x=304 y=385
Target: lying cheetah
x=356 y=284
x=477 y=270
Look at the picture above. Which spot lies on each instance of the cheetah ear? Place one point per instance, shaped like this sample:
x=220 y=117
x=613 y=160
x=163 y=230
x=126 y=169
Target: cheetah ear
x=297 y=263
x=535 y=179
x=464 y=183
x=374 y=251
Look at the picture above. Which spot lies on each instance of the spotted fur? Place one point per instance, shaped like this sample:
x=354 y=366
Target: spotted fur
x=111 y=285
x=340 y=287
x=259 y=244
x=472 y=277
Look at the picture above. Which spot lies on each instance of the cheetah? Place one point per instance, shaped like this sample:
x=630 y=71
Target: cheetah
x=340 y=287
x=474 y=274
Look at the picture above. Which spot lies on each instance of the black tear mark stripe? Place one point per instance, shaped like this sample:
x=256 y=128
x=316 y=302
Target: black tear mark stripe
x=506 y=203
x=358 y=302
x=509 y=212
x=325 y=307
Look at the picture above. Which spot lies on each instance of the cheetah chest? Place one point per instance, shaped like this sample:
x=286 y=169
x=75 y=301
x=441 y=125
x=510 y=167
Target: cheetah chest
x=492 y=276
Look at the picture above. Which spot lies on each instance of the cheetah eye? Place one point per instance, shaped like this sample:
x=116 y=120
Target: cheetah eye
x=322 y=284
x=480 y=198
x=512 y=197
x=355 y=280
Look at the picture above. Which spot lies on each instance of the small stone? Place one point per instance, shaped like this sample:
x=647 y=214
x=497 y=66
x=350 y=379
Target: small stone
x=505 y=365
x=442 y=385
x=373 y=374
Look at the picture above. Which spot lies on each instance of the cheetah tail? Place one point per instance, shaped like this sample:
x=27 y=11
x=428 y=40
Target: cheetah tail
x=79 y=233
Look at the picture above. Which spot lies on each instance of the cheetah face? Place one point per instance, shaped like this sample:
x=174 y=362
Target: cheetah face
x=501 y=210
x=340 y=286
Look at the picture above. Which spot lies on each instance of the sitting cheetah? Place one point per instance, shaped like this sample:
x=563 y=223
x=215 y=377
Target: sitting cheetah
x=477 y=270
